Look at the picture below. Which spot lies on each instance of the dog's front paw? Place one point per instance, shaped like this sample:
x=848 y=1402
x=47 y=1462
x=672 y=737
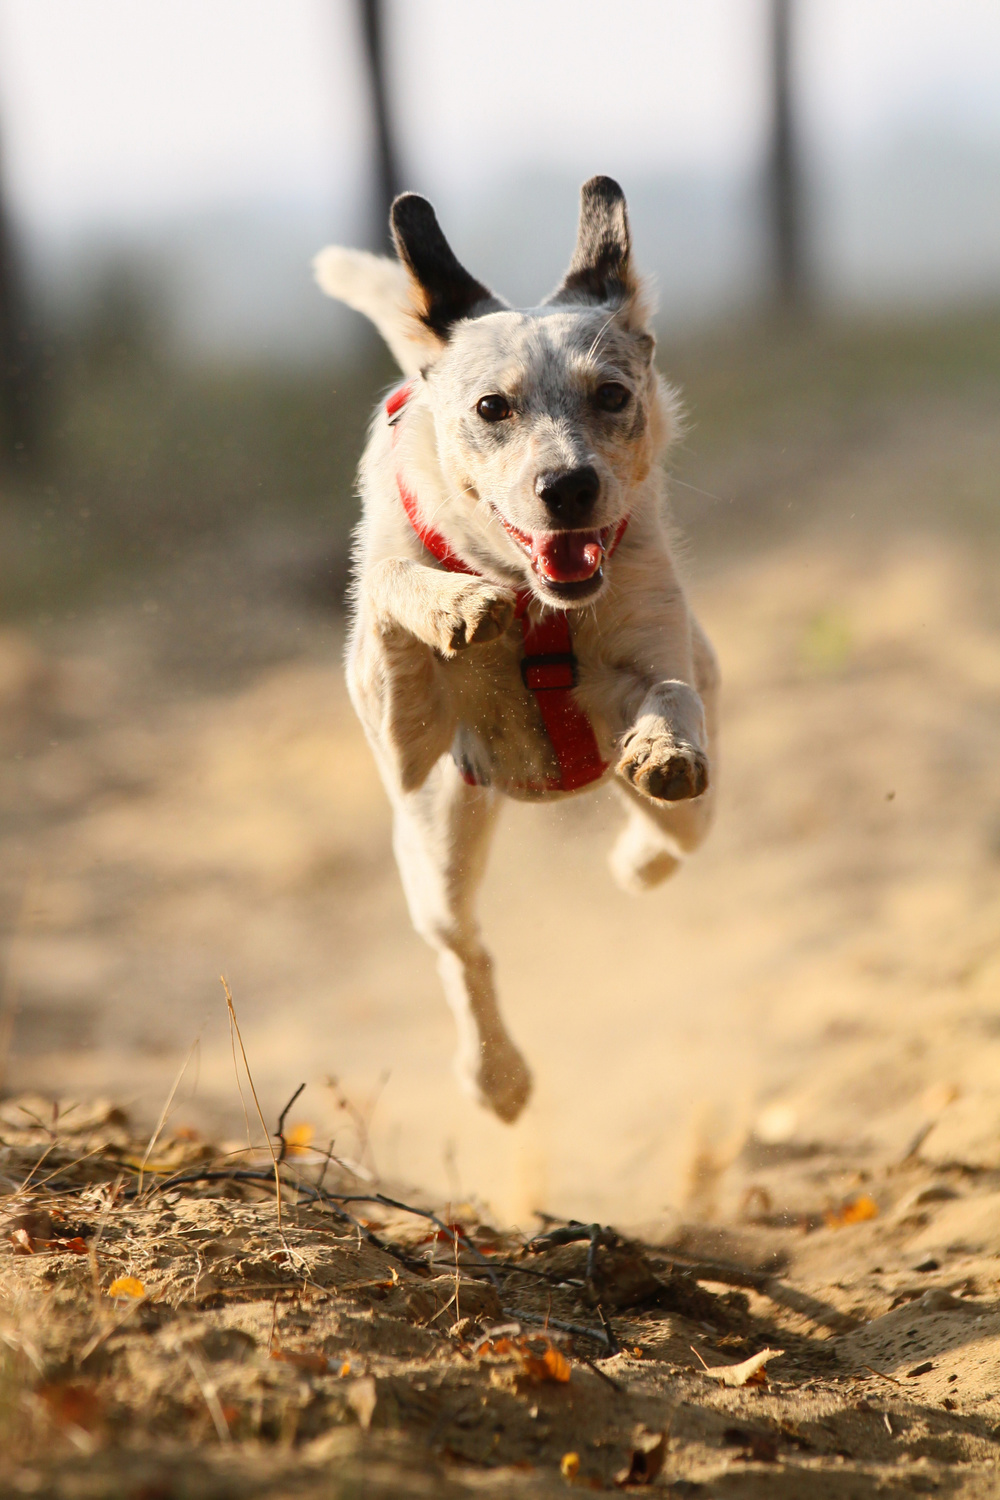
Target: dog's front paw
x=475 y=613
x=662 y=768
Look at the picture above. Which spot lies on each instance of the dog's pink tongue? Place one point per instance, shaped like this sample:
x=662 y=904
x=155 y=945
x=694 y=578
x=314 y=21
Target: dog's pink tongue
x=566 y=556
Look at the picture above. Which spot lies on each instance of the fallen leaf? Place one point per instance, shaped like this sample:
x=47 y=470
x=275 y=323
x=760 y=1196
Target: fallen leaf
x=548 y=1364
x=36 y=1222
x=72 y=1404
x=302 y=1359
x=742 y=1374
x=78 y=1246
x=125 y=1286
x=649 y=1449
x=22 y=1242
x=569 y=1465
x=446 y=1235
x=345 y=1369
x=854 y=1211
x=299 y=1138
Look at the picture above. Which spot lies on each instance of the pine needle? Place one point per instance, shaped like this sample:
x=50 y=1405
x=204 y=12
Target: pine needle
x=165 y=1111
x=234 y=1026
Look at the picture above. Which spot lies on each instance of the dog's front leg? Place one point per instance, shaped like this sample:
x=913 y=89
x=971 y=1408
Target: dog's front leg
x=447 y=611
x=668 y=752
x=664 y=754
x=410 y=620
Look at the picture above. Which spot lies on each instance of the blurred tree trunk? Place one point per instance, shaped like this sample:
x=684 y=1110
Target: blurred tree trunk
x=386 y=172
x=18 y=383
x=784 y=174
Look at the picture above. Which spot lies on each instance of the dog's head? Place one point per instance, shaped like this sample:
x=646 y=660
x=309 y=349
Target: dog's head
x=547 y=420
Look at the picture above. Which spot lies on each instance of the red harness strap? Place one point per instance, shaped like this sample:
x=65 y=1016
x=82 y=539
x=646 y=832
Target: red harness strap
x=548 y=666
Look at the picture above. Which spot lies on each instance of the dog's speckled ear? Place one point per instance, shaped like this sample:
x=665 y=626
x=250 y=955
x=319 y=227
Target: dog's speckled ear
x=444 y=289
x=600 y=271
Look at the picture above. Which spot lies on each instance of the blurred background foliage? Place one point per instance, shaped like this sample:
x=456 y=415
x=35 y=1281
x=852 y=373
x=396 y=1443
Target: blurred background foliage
x=146 y=456
x=139 y=432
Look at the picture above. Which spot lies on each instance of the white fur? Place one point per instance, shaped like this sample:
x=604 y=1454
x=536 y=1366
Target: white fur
x=433 y=656
x=379 y=288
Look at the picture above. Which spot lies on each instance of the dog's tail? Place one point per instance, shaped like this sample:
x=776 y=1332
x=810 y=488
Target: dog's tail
x=379 y=288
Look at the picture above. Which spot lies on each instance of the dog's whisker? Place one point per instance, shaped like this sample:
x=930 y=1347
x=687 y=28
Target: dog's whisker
x=698 y=491
x=601 y=332
x=445 y=500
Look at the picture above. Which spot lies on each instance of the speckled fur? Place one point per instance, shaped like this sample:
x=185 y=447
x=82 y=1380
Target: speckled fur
x=433 y=656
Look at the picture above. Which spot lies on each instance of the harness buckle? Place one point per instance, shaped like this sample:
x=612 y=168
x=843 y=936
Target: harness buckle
x=549 y=670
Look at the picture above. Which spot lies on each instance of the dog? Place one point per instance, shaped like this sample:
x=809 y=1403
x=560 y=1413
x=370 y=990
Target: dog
x=517 y=624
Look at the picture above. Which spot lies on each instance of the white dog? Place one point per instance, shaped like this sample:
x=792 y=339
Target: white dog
x=518 y=625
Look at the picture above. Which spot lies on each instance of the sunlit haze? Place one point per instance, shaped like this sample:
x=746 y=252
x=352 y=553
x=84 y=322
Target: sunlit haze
x=118 y=116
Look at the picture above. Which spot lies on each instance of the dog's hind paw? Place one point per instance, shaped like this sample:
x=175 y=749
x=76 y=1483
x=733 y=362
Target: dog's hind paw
x=663 y=769
x=475 y=614
x=501 y=1081
x=641 y=859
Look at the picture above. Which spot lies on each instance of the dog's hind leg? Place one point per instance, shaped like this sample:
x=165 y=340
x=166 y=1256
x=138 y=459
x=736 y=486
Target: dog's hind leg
x=657 y=835
x=441 y=838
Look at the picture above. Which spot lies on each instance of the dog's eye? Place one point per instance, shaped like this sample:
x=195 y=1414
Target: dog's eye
x=612 y=397
x=492 y=408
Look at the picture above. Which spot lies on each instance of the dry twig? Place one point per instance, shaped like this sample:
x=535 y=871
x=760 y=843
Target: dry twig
x=280 y=1132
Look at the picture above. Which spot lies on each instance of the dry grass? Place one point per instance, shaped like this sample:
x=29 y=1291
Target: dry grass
x=162 y=1335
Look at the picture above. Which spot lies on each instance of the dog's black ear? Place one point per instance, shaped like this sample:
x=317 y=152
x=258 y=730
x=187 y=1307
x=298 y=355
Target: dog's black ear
x=600 y=270
x=445 y=289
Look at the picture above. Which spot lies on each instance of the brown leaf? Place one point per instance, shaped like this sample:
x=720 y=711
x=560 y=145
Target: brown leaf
x=72 y=1404
x=549 y=1366
x=303 y=1359
x=36 y=1222
x=537 y=1365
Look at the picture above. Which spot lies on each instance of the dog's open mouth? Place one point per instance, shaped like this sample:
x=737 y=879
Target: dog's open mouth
x=561 y=558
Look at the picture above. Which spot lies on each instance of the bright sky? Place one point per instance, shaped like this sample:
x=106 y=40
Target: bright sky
x=122 y=108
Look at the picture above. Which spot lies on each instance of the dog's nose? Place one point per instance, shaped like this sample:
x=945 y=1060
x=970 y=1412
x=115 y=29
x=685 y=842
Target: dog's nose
x=569 y=494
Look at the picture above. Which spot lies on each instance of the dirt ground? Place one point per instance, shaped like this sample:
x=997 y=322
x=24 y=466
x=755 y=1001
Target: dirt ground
x=786 y=1061
x=165 y=1334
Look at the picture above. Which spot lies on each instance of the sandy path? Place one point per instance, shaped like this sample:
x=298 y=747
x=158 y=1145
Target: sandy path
x=833 y=950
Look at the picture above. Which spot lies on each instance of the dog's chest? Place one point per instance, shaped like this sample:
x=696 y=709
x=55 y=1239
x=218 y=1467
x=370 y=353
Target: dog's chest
x=502 y=739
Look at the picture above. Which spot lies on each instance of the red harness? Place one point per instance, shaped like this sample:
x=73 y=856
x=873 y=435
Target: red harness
x=548 y=666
